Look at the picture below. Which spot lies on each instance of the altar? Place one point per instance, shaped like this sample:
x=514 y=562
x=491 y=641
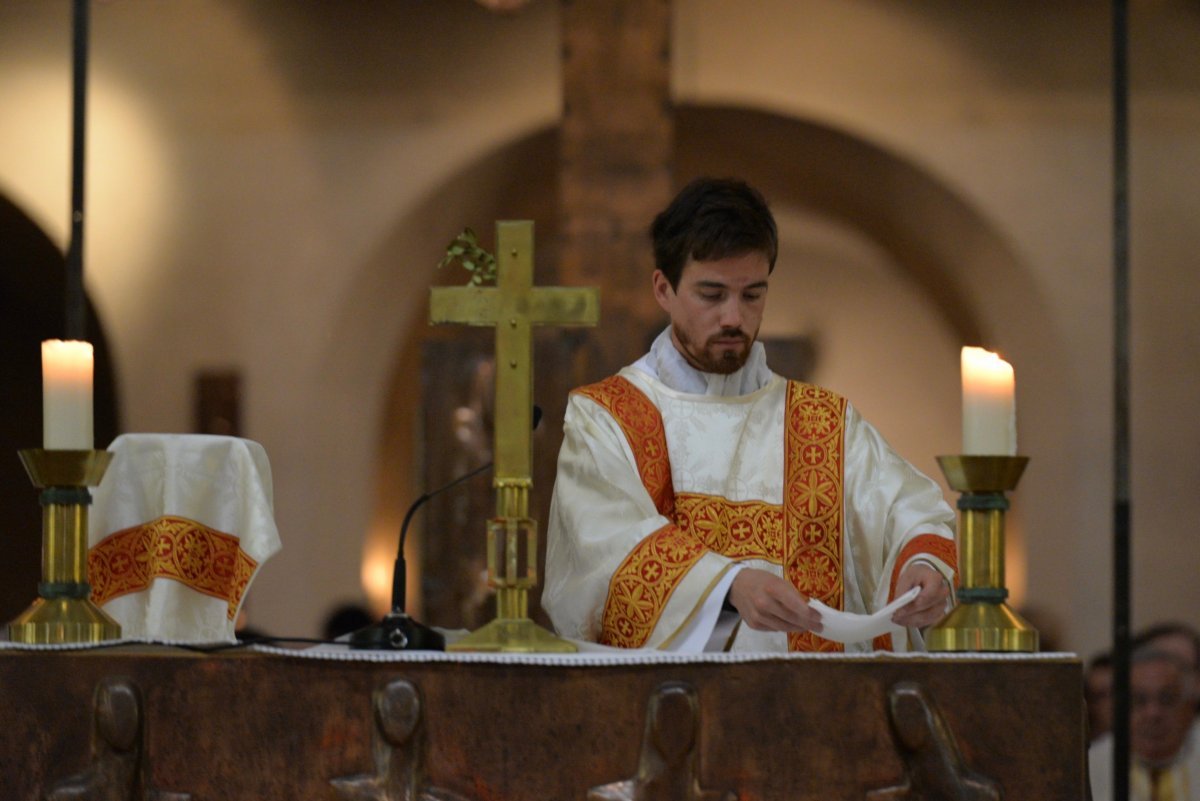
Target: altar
x=330 y=723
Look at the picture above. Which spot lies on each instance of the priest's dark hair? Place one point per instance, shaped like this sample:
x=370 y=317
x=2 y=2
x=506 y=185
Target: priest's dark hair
x=712 y=219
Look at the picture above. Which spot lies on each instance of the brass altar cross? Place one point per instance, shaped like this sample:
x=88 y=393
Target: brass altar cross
x=513 y=307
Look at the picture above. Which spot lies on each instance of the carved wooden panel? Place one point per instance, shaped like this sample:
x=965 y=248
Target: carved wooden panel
x=250 y=727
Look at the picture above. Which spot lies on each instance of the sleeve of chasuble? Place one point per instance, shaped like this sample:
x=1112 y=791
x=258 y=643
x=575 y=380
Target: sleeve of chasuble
x=618 y=571
x=894 y=515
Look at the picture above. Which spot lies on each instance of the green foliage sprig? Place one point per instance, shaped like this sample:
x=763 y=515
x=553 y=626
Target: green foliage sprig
x=465 y=249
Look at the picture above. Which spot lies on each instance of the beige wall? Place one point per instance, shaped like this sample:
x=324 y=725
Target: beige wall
x=271 y=184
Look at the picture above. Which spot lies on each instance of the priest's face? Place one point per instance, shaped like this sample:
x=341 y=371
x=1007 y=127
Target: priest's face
x=1162 y=709
x=716 y=309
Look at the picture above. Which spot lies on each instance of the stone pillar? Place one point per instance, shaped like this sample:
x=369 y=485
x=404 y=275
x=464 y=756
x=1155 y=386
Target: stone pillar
x=617 y=153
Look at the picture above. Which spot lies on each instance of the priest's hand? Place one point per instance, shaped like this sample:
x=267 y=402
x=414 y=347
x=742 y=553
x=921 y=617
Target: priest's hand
x=767 y=602
x=930 y=604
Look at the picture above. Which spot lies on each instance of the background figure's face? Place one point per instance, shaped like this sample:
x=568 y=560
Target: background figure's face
x=717 y=309
x=1161 y=712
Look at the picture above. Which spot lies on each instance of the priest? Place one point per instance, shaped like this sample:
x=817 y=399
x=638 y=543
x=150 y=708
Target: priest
x=702 y=501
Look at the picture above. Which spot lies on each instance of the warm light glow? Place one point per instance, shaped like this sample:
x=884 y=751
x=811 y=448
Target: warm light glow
x=989 y=407
x=128 y=211
x=379 y=558
x=1016 y=571
x=376 y=574
x=67 y=369
x=39 y=181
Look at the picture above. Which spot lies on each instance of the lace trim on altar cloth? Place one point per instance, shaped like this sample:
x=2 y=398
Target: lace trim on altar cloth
x=626 y=657
x=590 y=655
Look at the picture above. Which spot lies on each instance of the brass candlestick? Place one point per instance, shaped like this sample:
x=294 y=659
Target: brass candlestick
x=63 y=612
x=982 y=621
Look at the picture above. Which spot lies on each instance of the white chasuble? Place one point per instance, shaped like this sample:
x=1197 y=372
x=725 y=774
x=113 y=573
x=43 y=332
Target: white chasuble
x=659 y=493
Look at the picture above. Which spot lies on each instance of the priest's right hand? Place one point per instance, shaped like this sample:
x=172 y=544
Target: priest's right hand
x=767 y=602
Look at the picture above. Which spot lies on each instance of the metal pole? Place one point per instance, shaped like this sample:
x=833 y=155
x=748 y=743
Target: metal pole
x=1121 y=493
x=75 y=316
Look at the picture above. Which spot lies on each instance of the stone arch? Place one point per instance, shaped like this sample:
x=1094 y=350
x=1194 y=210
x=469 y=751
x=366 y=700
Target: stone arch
x=931 y=232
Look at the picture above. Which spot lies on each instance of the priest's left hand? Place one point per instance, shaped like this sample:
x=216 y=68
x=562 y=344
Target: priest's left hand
x=930 y=604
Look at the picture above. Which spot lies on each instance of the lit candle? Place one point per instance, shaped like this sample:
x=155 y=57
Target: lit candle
x=67 y=395
x=989 y=408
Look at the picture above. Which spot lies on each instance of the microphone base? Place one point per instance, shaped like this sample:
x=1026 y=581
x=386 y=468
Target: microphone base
x=397 y=632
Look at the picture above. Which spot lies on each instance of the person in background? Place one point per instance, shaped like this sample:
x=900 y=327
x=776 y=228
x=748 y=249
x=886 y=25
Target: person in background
x=1165 y=758
x=1175 y=638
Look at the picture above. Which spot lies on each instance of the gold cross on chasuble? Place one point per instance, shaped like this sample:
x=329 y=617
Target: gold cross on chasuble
x=514 y=306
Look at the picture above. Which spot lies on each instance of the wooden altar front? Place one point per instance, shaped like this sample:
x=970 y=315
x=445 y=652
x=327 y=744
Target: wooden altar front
x=244 y=725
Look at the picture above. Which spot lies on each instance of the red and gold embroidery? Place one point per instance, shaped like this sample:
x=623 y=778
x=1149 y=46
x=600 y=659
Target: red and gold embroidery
x=643 y=427
x=644 y=582
x=804 y=535
x=737 y=529
x=928 y=545
x=642 y=585
x=204 y=559
x=812 y=501
x=920 y=545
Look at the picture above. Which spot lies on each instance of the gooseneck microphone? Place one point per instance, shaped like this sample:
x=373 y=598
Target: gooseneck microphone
x=398 y=631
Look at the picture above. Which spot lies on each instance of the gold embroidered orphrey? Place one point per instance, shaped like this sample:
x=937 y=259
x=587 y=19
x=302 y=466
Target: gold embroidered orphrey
x=208 y=561
x=803 y=535
x=513 y=307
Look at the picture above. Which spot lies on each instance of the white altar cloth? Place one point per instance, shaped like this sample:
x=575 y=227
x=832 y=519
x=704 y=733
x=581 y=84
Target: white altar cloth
x=585 y=658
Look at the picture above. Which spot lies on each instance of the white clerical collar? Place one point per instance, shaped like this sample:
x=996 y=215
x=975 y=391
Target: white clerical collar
x=666 y=363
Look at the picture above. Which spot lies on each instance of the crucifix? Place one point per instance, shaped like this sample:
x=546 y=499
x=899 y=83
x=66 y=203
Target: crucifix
x=513 y=307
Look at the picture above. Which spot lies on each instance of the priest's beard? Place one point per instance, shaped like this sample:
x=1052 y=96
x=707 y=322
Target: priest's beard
x=722 y=359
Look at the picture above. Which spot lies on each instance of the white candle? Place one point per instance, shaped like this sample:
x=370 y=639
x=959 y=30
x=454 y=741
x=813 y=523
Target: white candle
x=989 y=407
x=67 y=395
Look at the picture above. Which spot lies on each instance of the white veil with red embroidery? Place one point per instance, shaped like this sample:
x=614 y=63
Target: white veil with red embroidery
x=178 y=529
